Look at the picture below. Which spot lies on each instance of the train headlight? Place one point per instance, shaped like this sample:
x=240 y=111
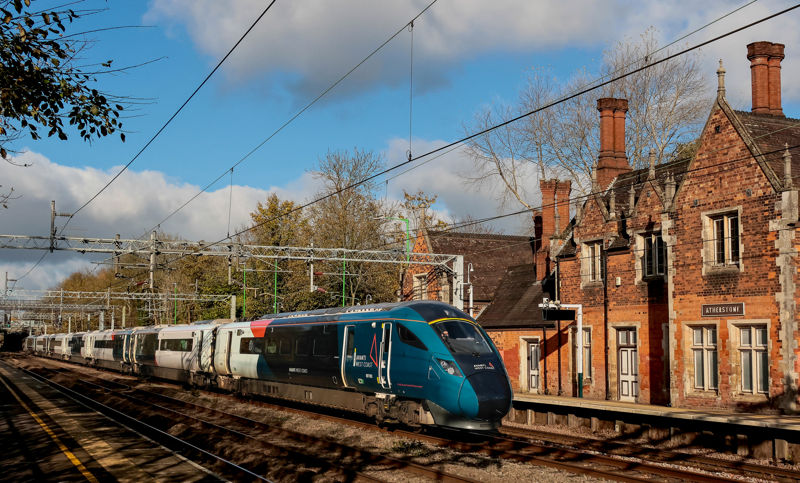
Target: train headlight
x=449 y=367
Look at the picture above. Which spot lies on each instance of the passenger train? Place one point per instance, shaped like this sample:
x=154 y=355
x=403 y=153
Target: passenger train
x=415 y=363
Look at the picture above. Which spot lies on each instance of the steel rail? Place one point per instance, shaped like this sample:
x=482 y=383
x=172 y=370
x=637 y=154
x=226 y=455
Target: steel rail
x=131 y=421
x=573 y=461
x=316 y=461
x=342 y=450
x=672 y=457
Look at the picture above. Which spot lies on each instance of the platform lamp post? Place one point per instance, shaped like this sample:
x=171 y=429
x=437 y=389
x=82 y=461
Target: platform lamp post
x=470 y=270
x=556 y=305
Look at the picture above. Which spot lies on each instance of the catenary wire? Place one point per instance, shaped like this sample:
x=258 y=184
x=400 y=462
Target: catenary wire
x=284 y=125
x=410 y=24
x=158 y=132
x=651 y=64
x=219 y=64
x=445 y=233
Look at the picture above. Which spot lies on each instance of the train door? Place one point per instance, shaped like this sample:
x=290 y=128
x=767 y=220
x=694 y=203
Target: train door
x=628 y=365
x=348 y=355
x=385 y=357
x=224 y=356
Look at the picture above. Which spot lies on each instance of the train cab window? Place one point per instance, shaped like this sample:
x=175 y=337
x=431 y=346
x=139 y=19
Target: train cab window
x=251 y=345
x=272 y=345
x=462 y=337
x=286 y=347
x=301 y=346
x=408 y=337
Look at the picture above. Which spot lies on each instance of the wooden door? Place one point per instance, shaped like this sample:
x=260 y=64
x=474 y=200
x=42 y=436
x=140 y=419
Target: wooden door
x=628 y=365
x=534 y=358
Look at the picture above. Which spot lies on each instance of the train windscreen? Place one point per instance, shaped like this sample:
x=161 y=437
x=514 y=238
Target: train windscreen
x=462 y=338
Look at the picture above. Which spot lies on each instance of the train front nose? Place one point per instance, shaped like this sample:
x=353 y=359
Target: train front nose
x=492 y=393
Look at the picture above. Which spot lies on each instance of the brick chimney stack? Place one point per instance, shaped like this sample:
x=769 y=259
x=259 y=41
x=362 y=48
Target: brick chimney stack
x=612 y=160
x=765 y=73
x=555 y=196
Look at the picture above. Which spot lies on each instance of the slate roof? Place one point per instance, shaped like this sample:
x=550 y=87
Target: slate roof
x=490 y=256
x=516 y=303
x=771 y=135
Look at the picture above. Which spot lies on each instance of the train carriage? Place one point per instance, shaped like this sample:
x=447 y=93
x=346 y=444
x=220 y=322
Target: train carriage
x=412 y=362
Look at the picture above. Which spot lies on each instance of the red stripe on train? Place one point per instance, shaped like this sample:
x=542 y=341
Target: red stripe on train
x=259 y=327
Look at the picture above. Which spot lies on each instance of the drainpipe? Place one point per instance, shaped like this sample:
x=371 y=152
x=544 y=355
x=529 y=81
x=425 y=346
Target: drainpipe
x=605 y=321
x=558 y=333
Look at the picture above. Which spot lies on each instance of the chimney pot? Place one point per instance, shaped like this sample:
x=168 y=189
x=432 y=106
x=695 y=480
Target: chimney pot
x=765 y=74
x=612 y=160
x=721 y=80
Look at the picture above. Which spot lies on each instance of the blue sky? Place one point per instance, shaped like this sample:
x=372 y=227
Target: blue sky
x=467 y=54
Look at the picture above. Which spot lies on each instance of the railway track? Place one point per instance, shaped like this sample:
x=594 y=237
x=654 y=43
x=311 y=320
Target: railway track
x=256 y=433
x=632 y=467
x=672 y=457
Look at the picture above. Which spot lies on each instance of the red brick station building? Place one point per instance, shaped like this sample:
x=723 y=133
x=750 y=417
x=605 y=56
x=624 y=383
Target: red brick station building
x=686 y=271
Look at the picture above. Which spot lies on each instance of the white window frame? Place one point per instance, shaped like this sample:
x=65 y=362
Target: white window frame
x=705 y=357
x=587 y=352
x=726 y=235
x=755 y=347
x=654 y=256
x=595 y=250
x=420 y=286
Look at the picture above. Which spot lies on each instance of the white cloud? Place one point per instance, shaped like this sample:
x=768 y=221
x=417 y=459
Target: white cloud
x=133 y=204
x=311 y=43
x=304 y=45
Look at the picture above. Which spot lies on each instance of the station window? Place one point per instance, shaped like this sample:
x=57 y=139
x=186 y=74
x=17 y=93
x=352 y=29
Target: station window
x=593 y=261
x=654 y=255
x=725 y=237
x=421 y=287
x=704 y=357
x=755 y=359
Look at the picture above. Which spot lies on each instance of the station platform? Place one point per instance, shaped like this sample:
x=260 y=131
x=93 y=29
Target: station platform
x=47 y=436
x=771 y=421
x=772 y=436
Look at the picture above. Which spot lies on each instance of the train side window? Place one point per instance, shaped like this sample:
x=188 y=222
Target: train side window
x=409 y=337
x=301 y=346
x=320 y=347
x=272 y=345
x=351 y=340
x=286 y=347
x=250 y=345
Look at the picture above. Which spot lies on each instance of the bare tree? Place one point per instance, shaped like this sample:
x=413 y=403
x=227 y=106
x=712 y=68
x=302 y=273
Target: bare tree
x=667 y=108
